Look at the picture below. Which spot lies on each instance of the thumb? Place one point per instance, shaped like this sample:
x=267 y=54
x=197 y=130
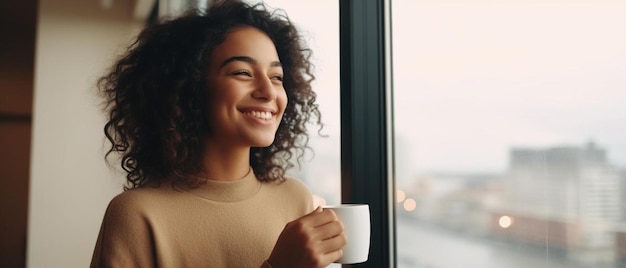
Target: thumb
x=318 y=209
x=310 y=215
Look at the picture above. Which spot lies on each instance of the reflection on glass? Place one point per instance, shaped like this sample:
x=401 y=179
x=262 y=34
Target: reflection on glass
x=509 y=123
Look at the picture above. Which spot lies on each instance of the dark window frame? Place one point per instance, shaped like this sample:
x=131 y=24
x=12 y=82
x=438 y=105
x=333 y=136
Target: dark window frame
x=366 y=118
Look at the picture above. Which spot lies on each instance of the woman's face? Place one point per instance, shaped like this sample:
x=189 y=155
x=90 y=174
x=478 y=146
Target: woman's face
x=246 y=94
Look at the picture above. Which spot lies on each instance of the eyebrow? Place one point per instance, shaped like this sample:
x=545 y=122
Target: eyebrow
x=248 y=60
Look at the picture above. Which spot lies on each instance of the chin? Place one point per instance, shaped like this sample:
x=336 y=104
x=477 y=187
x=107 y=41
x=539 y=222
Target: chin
x=264 y=143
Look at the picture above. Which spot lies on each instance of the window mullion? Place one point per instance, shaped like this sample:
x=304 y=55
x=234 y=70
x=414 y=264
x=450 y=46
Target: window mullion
x=365 y=137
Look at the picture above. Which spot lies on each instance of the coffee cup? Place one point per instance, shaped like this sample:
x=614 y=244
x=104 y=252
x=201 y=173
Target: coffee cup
x=356 y=225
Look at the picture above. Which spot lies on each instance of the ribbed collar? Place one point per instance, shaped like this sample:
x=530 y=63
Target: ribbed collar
x=229 y=191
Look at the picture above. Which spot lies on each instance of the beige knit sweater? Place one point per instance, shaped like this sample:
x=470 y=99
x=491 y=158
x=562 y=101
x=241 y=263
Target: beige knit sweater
x=221 y=224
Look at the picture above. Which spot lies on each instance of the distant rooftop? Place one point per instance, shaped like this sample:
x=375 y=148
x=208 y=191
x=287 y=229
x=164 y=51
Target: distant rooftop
x=566 y=156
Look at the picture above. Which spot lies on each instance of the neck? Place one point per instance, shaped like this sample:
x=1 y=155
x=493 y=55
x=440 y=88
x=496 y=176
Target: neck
x=226 y=164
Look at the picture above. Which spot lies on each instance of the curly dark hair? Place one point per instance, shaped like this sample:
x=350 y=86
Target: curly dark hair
x=156 y=98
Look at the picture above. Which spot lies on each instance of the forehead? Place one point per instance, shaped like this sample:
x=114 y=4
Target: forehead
x=245 y=41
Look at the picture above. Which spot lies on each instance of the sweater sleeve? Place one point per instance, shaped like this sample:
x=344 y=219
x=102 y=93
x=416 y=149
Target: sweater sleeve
x=125 y=239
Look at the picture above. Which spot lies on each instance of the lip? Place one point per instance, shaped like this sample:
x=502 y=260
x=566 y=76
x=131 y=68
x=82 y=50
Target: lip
x=260 y=121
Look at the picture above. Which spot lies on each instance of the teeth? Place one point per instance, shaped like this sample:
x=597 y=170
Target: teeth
x=261 y=115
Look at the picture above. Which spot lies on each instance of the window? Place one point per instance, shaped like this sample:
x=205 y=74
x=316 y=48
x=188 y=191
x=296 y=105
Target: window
x=509 y=126
x=351 y=36
x=320 y=167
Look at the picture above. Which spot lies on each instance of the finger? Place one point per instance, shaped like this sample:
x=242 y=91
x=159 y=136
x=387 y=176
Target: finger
x=332 y=256
x=334 y=243
x=329 y=230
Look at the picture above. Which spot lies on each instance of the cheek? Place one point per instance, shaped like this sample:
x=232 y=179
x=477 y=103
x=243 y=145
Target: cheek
x=282 y=100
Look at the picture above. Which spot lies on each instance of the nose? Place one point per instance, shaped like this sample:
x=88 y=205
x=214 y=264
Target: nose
x=265 y=89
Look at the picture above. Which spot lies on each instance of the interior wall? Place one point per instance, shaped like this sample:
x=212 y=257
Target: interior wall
x=70 y=183
x=17 y=49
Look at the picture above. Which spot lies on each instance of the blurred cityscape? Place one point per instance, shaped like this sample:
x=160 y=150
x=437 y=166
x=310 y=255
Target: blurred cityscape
x=559 y=206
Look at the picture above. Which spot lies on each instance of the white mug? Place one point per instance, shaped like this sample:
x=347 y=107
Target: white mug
x=356 y=226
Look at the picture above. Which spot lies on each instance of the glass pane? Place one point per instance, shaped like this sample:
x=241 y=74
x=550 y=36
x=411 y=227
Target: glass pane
x=509 y=126
x=320 y=169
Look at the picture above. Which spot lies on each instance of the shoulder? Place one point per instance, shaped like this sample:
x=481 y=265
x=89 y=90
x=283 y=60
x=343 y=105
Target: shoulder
x=126 y=232
x=292 y=185
x=136 y=201
x=135 y=197
x=291 y=192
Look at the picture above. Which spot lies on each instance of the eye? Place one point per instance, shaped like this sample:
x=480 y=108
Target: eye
x=242 y=72
x=277 y=77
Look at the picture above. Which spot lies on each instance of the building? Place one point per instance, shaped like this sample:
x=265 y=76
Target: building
x=565 y=198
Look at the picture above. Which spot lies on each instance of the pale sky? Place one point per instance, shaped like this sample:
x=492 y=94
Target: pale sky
x=475 y=78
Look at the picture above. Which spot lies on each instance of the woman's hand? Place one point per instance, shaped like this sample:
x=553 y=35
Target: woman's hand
x=313 y=240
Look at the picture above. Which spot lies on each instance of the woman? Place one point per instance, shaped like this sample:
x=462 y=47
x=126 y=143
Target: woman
x=205 y=111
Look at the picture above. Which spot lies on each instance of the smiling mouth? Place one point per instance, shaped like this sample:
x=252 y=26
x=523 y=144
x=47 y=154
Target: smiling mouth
x=260 y=115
